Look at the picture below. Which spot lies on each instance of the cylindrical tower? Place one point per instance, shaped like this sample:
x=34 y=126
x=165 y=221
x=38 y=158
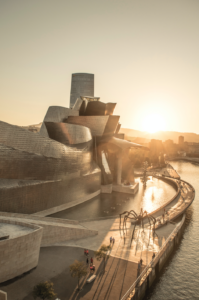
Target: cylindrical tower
x=82 y=84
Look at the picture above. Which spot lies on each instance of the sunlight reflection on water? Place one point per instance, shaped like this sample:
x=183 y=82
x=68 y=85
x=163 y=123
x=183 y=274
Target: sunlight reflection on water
x=155 y=194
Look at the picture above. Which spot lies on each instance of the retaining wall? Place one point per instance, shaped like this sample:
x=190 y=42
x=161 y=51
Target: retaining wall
x=152 y=271
x=3 y=295
x=21 y=253
x=53 y=232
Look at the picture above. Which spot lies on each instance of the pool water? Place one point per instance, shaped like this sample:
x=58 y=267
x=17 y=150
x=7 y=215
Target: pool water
x=156 y=193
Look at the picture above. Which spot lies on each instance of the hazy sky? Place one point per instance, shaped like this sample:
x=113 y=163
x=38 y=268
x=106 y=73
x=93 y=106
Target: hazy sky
x=144 y=54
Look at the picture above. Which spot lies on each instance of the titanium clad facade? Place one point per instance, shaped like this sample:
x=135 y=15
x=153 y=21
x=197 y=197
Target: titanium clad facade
x=68 y=134
x=39 y=173
x=82 y=84
x=56 y=114
x=29 y=197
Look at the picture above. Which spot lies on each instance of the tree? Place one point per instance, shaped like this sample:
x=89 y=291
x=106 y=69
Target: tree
x=78 y=269
x=102 y=254
x=44 y=290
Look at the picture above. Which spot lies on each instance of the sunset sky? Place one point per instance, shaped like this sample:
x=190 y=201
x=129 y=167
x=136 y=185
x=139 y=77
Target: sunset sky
x=144 y=54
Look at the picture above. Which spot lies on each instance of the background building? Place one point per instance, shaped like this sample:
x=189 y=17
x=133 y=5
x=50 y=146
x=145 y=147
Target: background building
x=181 y=140
x=82 y=84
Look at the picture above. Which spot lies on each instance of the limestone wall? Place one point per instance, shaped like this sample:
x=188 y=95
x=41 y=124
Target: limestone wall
x=37 y=218
x=3 y=295
x=21 y=253
x=53 y=232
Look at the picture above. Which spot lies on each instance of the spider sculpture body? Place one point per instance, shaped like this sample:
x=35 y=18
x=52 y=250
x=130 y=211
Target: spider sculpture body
x=136 y=220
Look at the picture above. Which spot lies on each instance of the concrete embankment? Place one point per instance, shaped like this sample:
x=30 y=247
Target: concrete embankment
x=194 y=160
x=178 y=205
x=152 y=271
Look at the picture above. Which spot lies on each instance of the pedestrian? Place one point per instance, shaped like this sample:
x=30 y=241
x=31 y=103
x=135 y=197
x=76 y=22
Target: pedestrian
x=87 y=261
x=91 y=260
x=141 y=261
x=138 y=270
x=113 y=241
x=87 y=252
x=110 y=239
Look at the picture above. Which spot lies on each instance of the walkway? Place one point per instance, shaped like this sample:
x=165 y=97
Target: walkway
x=54 y=265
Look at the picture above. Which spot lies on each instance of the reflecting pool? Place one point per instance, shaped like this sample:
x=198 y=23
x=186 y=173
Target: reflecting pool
x=156 y=193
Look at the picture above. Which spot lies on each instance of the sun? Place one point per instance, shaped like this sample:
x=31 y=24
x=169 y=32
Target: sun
x=153 y=123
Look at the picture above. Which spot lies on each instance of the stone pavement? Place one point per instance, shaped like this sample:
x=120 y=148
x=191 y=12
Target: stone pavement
x=54 y=265
x=142 y=246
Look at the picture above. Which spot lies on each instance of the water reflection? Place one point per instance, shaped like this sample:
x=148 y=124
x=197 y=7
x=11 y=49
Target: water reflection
x=155 y=194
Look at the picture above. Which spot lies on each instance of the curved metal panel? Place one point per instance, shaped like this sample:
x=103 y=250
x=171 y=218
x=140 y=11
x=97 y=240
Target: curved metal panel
x=98 y=108
x=96 y=124
x=68 y=133
x=56 y=114
x=78 y=104
x=74 y=162
x=24 y=140
x=111 y=125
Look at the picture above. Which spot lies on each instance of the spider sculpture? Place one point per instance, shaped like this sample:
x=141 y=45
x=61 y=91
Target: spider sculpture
x=136 y=220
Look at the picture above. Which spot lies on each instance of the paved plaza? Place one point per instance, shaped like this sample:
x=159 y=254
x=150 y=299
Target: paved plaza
x=54 y=265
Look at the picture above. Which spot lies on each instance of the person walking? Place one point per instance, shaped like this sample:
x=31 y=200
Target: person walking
x=138 y=270
x=113 y=241
x=87 y=260
x=163 y=218
x=110 y=239
x=91 y=260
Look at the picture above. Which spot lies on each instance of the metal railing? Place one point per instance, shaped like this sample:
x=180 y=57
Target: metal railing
x=155 y=259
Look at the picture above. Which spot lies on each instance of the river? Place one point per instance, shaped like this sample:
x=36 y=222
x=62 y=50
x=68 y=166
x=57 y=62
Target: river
x=179 y=278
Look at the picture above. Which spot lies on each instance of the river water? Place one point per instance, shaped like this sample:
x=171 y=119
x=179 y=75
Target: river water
x=180 y=276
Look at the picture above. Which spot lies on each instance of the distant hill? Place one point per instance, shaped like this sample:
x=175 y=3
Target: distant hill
x=145 y=137
x=142 y=137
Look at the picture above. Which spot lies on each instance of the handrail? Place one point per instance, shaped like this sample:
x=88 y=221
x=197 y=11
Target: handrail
x=156 y=258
